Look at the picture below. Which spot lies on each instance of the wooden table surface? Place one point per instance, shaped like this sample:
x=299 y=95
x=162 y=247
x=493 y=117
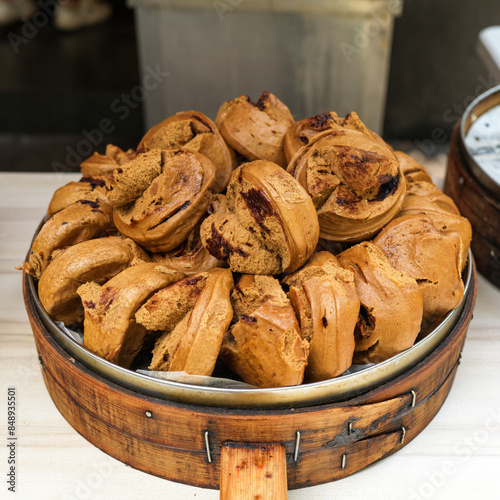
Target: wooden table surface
x=457 y=456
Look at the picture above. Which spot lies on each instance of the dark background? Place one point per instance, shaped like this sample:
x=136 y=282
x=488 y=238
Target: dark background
x=435 y=70
x=58 y=85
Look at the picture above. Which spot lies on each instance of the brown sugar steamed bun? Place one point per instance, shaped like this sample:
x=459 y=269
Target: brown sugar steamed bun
x=193 y=131
x=110 y=329
x=264 y=346
x=191 y=341
x=302 y=131
x=324 y=298
x=424 y=198
x=412 y=169
x=256 y=130
x=104 y=164
x=160 y=196
x=354 y=181
x=431 y=193
x=166 y=308
x=191 y=257
x=391 y=308
x=80 y=221
x=92 y=260
x=414 y=245
x=271 y=226
x=87 y=188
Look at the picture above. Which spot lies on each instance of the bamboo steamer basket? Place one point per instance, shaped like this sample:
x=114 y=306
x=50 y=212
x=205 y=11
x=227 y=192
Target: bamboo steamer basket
x=473 y=178
x=254 y=442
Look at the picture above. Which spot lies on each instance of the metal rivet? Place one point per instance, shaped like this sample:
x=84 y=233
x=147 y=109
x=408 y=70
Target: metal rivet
x=349 y=428
x=492 y=253
x=40 y=360
x=207 y=447
x=149 y=414
x=461 y=181
x=403 y=434
x=413 y=398
x=297 y=444
x=342 y=464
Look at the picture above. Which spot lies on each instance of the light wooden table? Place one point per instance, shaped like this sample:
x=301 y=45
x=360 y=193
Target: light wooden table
x=457 y=456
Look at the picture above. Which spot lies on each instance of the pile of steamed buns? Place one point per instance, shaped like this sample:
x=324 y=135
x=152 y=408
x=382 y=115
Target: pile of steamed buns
x=283 y=250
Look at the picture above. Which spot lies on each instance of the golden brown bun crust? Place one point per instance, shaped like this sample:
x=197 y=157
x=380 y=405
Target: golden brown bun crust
x=264 y=346
x=423 y=198
x=80 y=221
x=110 y=329
x=324 y=298
x=161 y=196
x=92 y=260
x=391 y=304
x=193 y=131
x=256 y=130
x=302 y=132
x=272 y=224
x=430 y=192
x=413 y=245
x=412 y=170
x=354 y=181
x=87 y=188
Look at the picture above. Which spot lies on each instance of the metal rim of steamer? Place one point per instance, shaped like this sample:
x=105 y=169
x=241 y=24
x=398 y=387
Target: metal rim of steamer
x=479 y=144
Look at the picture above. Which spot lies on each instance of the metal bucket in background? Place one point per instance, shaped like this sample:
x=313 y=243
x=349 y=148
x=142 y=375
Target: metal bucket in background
x=321 y=55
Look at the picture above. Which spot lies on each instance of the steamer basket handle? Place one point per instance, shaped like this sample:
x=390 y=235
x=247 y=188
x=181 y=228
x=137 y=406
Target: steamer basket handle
x=253 y=470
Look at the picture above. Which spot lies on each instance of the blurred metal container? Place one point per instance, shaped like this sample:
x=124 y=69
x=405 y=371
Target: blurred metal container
x=473 y=178
x=316 y=55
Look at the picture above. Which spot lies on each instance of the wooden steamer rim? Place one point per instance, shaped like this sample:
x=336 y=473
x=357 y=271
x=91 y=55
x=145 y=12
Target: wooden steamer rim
x=202 y=446
x=340 y=388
